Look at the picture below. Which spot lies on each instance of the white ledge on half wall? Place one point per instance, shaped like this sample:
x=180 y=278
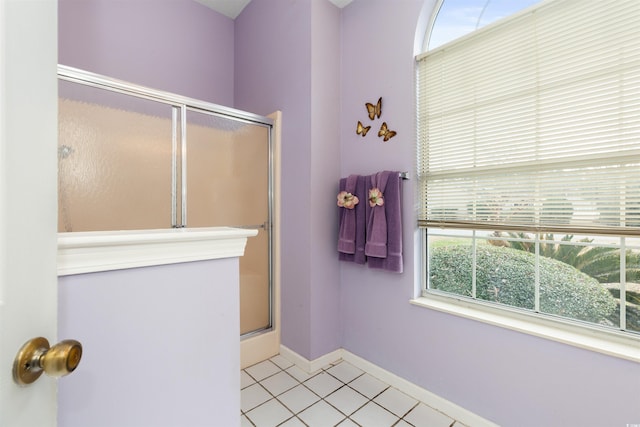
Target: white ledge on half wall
x=93 y=251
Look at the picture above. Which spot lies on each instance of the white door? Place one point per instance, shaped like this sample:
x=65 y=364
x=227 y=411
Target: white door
x=28 y=198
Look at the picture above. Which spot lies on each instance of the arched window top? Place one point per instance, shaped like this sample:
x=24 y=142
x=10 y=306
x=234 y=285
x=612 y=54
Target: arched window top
x=456 y=18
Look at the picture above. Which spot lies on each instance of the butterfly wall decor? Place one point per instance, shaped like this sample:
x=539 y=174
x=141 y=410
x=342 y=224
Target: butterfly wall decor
x=385 y=132
x=361 y=129
x=374 y=111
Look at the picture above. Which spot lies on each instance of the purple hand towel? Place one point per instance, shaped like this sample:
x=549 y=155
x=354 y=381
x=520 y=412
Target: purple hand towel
x=361 y=223
x=393 y=208
x=347 y=235
x=376 y=219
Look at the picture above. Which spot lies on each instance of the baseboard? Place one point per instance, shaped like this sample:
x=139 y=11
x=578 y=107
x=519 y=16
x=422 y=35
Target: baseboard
x=310 y=366
x=433 y=400
x=258 y=348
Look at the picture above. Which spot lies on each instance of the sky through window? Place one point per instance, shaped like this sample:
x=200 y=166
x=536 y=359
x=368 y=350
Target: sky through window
x=459 y=17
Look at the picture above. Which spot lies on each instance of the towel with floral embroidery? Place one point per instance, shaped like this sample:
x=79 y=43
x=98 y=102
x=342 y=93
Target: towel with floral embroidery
x=358 y=227
x=393 y=215
x=347 y=201
x=376 y=245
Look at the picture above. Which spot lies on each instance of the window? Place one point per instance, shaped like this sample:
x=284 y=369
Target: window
x=529 y=164
x=456 y=18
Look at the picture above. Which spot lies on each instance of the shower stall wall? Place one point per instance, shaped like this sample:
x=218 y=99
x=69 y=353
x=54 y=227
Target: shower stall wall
x=132 y=158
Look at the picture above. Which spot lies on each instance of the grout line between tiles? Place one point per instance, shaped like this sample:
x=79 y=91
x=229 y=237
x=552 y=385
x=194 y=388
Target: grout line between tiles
x=323 y=399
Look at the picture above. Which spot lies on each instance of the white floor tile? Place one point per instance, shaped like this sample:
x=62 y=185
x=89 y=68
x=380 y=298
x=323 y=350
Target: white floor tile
x=293 y=422
x=374 y=415
x=425 y=416
x=262 y=370
x=345 y=372
x=253 y=396
x=347 y=400
x=298 y=398
x=395 y=401
x=279 y=383
x=281 y=362
x=244 y=422
x=300 y=405
x=269 y=414
x=368 y=385
x=348 y=423
x=323 y=384
x=245 y=380
x=321 y=415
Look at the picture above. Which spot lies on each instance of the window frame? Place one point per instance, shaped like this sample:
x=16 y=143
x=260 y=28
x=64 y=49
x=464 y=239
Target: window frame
x=612 y=342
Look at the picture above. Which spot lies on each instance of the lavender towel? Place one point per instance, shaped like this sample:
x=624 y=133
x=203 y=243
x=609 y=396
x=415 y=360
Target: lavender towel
x=393 y=210
x=358 y=256
x=377 y=219
x=347 y=235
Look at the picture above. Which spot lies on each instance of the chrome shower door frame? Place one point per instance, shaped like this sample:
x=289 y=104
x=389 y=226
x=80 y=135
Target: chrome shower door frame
x=180 y=105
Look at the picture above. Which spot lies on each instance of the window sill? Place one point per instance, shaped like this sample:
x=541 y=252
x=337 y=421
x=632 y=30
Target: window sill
x=612 y=343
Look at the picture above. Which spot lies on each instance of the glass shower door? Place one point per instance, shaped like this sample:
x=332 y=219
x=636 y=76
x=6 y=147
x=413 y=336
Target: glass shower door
x=114 y=160
x=130 y=158
x=227 y=167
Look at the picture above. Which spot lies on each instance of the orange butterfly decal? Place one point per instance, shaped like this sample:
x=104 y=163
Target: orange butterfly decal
x=374 y=110
x=362 y=130
x=385 y=132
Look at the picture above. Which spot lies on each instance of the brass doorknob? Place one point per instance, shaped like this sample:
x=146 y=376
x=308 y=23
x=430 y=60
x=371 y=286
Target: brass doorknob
x=36 y=357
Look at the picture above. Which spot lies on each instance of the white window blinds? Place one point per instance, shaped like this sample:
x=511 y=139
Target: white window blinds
x=533 y=123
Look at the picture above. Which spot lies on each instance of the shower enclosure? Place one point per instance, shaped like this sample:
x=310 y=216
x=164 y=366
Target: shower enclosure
x=132 y=158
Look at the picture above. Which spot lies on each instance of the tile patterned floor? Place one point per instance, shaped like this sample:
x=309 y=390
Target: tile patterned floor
x=277 y=393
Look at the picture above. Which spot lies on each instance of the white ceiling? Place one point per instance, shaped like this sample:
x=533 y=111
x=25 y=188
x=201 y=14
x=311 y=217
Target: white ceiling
x=232 y=8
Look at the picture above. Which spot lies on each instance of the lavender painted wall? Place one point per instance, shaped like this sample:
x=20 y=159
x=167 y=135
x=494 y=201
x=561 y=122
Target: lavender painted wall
x=325 y=325
x=273 y=63
x=505 y=376
x=178 y=46
x=161 y=346
x=181 y=311
x=283 y=54
x=287 y=58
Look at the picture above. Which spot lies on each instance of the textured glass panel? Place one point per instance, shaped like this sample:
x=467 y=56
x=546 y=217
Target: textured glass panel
x=228 y=185
x=227 y=172
x=254 y=284
x=114 y=161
